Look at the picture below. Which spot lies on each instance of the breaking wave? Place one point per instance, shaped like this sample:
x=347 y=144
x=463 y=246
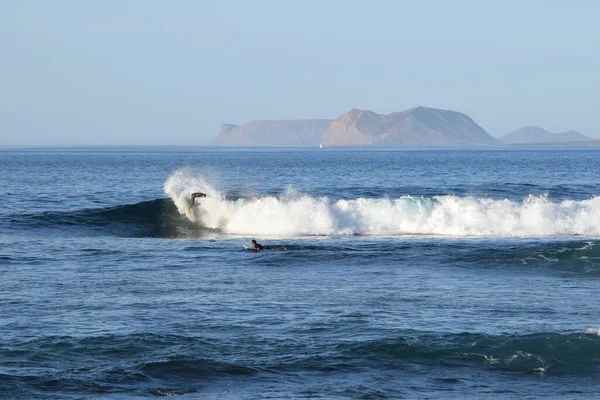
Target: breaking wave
x=296 y=214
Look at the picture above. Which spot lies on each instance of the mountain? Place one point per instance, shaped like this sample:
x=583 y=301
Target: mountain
x=290 y=133
x=533 y=134
x=415 y=127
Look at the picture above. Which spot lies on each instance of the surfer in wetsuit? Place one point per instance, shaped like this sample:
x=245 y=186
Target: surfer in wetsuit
x=195 y=195
x=188 y=211
x=257 y=246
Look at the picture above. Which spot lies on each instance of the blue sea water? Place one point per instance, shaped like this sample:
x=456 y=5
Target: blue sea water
x=432 y=274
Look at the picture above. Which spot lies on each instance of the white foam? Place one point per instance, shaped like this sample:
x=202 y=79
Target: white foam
x=180 y=186
x=593 y=331
x=295 y=214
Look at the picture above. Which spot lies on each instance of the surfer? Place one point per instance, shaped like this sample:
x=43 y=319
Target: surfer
x=257 y=246
x=195 y=195
x=190 y=204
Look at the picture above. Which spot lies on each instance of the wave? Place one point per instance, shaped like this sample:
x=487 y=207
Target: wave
x=559 y=354
x=176 y=364
x=154 y=218
x=296 y=214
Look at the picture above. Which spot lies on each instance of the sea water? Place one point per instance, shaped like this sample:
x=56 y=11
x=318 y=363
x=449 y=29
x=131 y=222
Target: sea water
x=389 y=274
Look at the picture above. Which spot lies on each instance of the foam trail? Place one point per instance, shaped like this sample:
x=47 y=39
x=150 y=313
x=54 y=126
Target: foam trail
x=293 y=214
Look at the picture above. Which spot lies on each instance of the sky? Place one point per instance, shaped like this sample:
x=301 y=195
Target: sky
x=144 y=72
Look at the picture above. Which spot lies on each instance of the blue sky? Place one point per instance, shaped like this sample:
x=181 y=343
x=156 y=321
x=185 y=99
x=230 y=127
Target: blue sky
x=158 y=72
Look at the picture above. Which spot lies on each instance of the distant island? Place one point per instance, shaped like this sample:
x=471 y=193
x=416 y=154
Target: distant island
x=583 y=143
x=533 y=134
x=291 y=133
x=415 y=127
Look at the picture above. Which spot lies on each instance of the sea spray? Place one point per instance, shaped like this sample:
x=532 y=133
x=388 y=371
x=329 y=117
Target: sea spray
x=180 y=186
x=296 y=214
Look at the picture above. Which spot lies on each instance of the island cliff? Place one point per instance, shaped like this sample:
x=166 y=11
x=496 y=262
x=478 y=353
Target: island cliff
x=292 y=133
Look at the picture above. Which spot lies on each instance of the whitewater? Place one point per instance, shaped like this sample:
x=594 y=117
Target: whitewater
x=296 y=214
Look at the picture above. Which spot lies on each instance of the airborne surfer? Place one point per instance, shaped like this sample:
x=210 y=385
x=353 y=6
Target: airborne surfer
x=195 y=195
x=192 y=201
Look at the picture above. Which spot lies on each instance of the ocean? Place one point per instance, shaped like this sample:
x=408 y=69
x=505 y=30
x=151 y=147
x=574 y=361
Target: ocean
x=388 y=274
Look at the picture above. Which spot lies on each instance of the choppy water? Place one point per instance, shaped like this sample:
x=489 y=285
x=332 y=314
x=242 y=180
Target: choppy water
x=390 y=274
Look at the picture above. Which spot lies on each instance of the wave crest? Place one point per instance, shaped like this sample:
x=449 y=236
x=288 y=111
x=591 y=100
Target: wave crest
x=296 y=214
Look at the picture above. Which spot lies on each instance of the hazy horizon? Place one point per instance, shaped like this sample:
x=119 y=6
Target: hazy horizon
x=152 y=73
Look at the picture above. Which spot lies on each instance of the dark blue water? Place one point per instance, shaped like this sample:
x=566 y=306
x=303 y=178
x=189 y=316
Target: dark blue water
x=389 y=274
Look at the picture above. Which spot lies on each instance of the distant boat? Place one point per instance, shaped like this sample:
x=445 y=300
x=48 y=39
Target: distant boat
x=320 y=145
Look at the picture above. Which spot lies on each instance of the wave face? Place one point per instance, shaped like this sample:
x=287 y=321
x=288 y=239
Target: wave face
x=154 y=218
x=296 y=214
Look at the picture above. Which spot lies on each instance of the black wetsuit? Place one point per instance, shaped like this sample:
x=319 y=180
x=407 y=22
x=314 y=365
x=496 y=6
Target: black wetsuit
x=195 y=195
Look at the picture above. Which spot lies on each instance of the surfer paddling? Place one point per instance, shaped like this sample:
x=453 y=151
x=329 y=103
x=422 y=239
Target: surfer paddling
x=258 y=247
